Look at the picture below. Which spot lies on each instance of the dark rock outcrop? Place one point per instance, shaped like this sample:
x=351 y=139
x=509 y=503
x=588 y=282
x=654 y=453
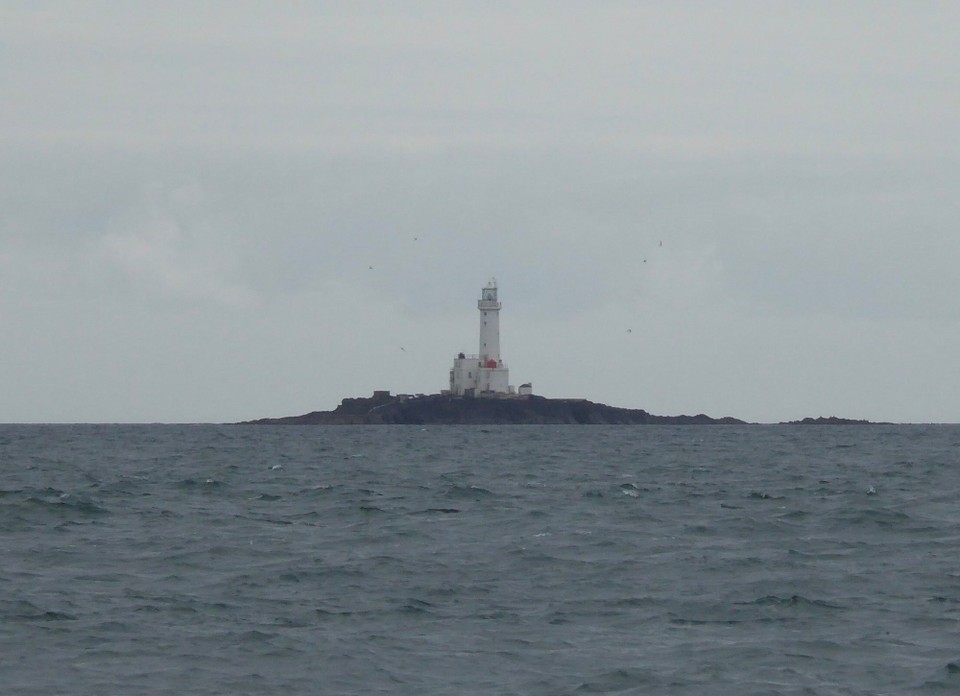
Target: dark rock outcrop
x=438 y=409
x=829 y=420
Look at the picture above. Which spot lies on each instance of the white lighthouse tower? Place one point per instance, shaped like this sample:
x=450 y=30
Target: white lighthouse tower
x=485 y=372
x=489 y=323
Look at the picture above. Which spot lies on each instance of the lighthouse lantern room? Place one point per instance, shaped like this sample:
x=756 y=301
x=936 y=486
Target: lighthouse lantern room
x=483 y=373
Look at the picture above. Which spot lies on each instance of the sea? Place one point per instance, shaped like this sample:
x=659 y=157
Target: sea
x=540 y=560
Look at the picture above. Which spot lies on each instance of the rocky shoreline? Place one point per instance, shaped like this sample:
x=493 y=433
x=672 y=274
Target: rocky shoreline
x=440 y=409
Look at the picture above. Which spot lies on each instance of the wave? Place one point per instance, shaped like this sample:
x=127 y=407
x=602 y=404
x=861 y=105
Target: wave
x=22 y=610
x=467 y=492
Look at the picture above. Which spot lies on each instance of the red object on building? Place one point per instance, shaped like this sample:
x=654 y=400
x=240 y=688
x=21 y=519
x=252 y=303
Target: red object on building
x=491 y=363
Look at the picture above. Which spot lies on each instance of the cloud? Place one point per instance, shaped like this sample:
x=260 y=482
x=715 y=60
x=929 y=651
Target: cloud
x=426 y=77
x=160 y=254
x=171 y=173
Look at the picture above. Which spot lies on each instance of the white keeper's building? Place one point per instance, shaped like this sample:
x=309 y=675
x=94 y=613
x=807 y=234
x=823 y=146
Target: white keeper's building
x=484 y=374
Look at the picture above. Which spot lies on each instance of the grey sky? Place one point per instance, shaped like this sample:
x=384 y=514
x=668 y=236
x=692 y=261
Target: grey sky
x=191 y=199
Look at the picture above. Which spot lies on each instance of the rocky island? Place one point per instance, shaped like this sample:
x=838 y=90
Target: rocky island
x=480 y=393
x=831 y=420
x=444 y=409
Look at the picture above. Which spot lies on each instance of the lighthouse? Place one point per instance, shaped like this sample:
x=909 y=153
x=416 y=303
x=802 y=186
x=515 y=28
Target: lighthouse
x=489 y=323
x=484 y=373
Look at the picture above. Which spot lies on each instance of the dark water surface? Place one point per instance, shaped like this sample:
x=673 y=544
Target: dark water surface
x=479 y=560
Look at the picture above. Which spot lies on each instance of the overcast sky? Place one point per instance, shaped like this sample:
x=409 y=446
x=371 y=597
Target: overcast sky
x=217 y=211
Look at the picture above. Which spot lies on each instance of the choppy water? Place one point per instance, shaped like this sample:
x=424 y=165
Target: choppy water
x=499 y=560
